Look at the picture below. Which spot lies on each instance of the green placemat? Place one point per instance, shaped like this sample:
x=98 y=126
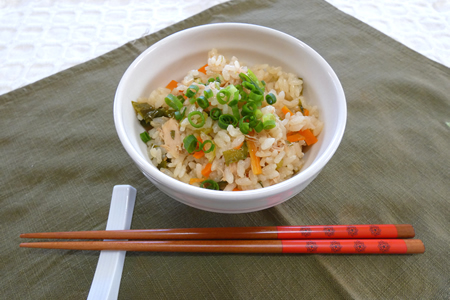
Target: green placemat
x=60 y=158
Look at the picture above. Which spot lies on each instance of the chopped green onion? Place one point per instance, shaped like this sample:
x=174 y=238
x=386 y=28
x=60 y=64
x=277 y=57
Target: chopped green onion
x=202 y=102
x=248 y=108
x=244 y=96
x=173 y=102
x=236 y=113
x=221 y=94
x=215 y=113
x=251 y=79
x=251 y=120
x=211 y=148
x=233 y=103
x=256 y=96
x=190 y=143
x=255 y=81
x=242 y=93
x=218 y=79
x=268 y=117
x=192 y=90
x=259 y=126
x=145 y=137
x=244 y=77
x=244 y=126
x=271 y=99
x=230 y=92
x=211 y=79
x=225 y=120
x=248 y=85
x=202 y=119
x=208 y=93
x=248 y=118
x=192 y=100
x=269 y=121
x=179 y=115
x=209 y=184
x=258 y=113
x=233 y=92
x=269 y=124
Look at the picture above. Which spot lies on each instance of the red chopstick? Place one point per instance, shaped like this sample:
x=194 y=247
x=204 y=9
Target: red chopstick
x=343 y=246
x=378 y=231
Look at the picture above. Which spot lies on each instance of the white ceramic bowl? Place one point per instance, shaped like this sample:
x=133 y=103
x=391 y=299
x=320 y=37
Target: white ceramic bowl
x=173 y=56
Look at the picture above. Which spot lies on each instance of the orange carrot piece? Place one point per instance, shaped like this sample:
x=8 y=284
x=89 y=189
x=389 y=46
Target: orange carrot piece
x=195 y=180
x=203 y=69
x=239 y=146
x=254 y=160
x=305 y=112
x=173 y=84
x=207 y=170
x=236 y=190
x=294 y=136
x=309 y=136
x=286 y=110
x=198 y=154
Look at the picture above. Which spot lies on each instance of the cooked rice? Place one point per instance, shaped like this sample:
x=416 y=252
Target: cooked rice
x=279 y=159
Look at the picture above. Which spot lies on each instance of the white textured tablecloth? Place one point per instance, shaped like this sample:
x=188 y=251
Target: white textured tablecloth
x=40 y=38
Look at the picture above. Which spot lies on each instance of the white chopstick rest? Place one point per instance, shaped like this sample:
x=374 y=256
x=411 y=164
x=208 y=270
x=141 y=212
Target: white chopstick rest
x=108 y=274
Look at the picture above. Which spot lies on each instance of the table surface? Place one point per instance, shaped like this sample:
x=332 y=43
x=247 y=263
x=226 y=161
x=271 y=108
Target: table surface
x=63 y=154
x=41 y=39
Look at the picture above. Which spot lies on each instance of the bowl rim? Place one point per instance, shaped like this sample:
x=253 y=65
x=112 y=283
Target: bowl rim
x=315 y=167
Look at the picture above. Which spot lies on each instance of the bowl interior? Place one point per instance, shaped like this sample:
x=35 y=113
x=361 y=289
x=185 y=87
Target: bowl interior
x=174 y=56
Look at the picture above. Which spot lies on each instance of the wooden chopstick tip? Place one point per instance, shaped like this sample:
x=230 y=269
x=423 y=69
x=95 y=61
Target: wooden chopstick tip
x=405 y=231
x=414 y=246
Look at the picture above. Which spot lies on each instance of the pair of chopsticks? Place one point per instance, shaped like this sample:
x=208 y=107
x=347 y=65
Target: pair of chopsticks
x=331 y=239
